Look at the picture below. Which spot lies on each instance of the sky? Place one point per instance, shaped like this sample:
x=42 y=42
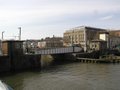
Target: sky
x=45 y=18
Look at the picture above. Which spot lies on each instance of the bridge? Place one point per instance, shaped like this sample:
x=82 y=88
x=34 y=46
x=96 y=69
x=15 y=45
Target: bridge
x=60 y=50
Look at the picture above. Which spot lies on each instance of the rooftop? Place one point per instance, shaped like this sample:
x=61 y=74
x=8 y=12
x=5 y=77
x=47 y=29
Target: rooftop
x=85 y=27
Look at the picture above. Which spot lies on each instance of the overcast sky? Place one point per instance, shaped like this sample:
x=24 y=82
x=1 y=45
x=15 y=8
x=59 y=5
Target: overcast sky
x=45 y=18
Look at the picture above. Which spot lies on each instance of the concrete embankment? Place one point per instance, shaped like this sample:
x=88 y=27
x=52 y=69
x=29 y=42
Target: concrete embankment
x=14 y=58
x=92 y=60
x=19 y=63
x=98 y=57
x=5 y=64
x=47 y=60
x=26 y=62
x=94 y=55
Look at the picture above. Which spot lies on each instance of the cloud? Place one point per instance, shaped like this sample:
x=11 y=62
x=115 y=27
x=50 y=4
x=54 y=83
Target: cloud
x=109 y=17
x=40 y=13
x=26 y=13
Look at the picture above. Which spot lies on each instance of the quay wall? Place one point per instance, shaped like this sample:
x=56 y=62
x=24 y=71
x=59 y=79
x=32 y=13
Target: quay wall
x=20 y=62
x=26 y=62
x=95 y=55
x=47 y=60
x=4 y=64
x=64 y=57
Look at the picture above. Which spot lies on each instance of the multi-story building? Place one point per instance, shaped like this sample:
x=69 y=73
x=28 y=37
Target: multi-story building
x=114 y=42
x=115 y=33
x=81 y=36
x=98 y=45
x=29 y=45
x=114 y=38
x=51 y=42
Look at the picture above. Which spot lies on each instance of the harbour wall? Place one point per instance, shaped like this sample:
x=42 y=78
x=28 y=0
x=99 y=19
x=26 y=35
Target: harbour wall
x=47 y=60
x=19 y=63
x=5 y=64
x=26 y=61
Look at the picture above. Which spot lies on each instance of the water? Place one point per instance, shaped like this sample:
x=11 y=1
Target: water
x=72 y=76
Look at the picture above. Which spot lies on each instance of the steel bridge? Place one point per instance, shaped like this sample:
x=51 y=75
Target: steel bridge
x=59 y=50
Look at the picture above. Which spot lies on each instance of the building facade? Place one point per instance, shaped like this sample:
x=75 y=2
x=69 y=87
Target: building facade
x=114 y=39
x=97 y=45
x=29 y=45
x=81 y=36
x=50 y=42
x=114 y=42
x=115 y=33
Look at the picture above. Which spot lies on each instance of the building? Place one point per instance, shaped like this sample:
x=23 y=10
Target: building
x=114 y=39
x=102 y=43
x=96 y=45
x=114 y=33
x=30 y=45
x=81 y=36
x=51 y=42
x=114 y=42
x=15 y=46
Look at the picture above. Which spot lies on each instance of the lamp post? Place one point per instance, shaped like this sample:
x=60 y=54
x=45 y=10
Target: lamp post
x=85 y=40
x=19 y=33
x=2 y=35
x=72 y=38
x=1 y=42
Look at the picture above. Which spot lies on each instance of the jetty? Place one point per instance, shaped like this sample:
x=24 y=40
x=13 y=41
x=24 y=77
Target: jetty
x=102 y=59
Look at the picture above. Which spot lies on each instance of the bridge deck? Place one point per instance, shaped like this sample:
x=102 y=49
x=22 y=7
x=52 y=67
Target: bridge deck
x=60 y=50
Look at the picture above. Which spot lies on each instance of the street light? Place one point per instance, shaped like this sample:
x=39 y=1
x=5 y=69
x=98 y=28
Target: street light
x=72 y=37
x=2 y=35
x=19 y=33
x=1 y=51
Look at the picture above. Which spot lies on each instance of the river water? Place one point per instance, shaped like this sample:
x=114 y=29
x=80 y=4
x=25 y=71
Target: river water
x=69 y=76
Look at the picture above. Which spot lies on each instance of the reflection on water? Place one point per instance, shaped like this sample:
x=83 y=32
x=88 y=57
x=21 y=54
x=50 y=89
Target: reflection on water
x=72 y=76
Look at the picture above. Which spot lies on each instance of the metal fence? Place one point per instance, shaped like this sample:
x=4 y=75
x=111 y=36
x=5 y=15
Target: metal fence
x=58 y=50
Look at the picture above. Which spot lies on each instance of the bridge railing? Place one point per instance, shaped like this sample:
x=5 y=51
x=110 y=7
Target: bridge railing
x=58 y=50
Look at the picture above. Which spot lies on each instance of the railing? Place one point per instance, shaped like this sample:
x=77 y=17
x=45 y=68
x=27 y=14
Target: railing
x=58 y=50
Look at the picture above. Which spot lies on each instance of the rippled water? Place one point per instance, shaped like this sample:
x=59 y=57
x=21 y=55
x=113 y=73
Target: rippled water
x=72 y=76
